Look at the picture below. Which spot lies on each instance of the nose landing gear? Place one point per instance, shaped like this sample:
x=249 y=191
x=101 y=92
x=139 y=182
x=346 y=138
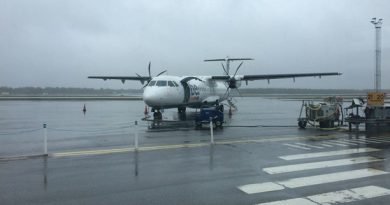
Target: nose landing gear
x=157 y=115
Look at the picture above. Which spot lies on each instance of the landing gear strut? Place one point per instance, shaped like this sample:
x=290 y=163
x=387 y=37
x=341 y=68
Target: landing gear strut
x=181 y=109
x=157 y=115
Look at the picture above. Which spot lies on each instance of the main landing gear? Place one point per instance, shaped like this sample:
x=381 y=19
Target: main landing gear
x=181 y=109
x=157 y=115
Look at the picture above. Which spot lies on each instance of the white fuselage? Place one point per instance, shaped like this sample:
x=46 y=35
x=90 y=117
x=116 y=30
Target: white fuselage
x=175 y=91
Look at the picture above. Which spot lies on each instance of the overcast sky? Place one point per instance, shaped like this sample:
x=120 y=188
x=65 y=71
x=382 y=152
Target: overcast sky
x=61 y=42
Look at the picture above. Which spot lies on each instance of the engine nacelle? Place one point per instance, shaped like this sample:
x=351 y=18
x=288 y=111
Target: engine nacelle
x=234 y=82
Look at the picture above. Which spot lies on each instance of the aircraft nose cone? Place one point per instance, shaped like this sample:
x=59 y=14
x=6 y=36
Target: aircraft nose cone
x=151 y=98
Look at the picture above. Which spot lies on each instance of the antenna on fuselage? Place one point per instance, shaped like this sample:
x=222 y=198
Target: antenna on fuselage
x=227 y=61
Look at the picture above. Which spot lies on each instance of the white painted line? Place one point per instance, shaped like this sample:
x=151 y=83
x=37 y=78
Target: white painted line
x=312 y=146
x=373 y=140
x=329 y=178
x=296 y=201
x=350 y=195
x=309 y=181
x=343 y=196
x=357 y=141
x=327 y=154
x=379 y=140
x=335 y=143
x=259 y=188
x=326 y=145
x=318 y=165
x=367 y=141
x=297 y=146
x=346 y=142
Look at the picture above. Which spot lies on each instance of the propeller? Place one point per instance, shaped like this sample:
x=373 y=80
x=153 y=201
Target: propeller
x=150 y=75
x=232 y=81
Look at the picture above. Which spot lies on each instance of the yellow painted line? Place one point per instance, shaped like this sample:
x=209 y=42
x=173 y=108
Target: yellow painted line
x=178 y=146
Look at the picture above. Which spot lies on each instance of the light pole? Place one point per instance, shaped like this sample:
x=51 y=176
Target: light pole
x=378 y=26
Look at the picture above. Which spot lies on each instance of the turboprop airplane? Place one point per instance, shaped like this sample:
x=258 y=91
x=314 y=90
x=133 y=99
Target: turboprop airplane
x=165 y=91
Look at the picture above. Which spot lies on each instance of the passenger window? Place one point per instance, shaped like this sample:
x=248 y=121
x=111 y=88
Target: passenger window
x=152 y=83
x=170 y=84
x=176 y=85
x=161 y=83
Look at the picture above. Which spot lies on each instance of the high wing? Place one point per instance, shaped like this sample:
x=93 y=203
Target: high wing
x=273 y=76
x=123 y=78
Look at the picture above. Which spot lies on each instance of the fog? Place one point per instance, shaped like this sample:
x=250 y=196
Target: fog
x=59 y=43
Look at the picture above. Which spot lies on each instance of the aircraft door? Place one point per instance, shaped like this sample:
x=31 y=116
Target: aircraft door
x=186 y=91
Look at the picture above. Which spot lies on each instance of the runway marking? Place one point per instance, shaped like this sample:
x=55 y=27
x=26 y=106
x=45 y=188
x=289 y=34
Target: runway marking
x=335 y=144
x=178 y=146
x=379 y=140
x=311 y=180
x=312 y=146
x=330 y=153
x=386 y=139
x=336 y=197
x=318 y=165
x=367 y=141
x=326 y=145
x=343 y=141
x=260 y=188
x=355 y=141
x=297 y=146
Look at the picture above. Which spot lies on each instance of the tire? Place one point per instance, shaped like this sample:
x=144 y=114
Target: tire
x=302 y=124
x=218 y=124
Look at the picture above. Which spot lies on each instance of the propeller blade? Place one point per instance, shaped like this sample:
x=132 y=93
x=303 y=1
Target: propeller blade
x=239 y=93
x=224 y=69
x=161 y=73
x=238 y=68
x=227 y=93
x=150 y=75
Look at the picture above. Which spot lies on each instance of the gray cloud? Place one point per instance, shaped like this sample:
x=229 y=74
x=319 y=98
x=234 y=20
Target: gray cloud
x=61 y=42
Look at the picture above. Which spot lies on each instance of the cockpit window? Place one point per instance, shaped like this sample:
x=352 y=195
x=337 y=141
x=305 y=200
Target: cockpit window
x=176 y=85
x=152 y=83
x=161 y=83
x=171 y=84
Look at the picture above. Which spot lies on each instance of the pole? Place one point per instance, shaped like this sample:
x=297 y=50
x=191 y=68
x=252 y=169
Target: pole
x=136 y=135
x=378 y=26
x=44 y=139
x=211 y=132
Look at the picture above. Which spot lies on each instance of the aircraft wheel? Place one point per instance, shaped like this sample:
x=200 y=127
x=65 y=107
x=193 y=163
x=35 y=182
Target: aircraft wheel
x=181 y=109
x=302 y=124
x=218 y=124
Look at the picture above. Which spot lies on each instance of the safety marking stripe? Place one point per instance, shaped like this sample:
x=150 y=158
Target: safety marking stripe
x=336 y=197
x=327 y=154
x=379 y=140
x=336 y=144
x=326 y=145
x=297 y=146
x=345 y=142
x=261 y=187
x=386 y=139
x=367 y=141
x=356 y=141
x=318 y=165
x=332 y=177
x=177 y=146
x=311 y=180
x=312 y=146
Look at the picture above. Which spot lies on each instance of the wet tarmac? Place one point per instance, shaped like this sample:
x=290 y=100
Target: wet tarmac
x=259 y=157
